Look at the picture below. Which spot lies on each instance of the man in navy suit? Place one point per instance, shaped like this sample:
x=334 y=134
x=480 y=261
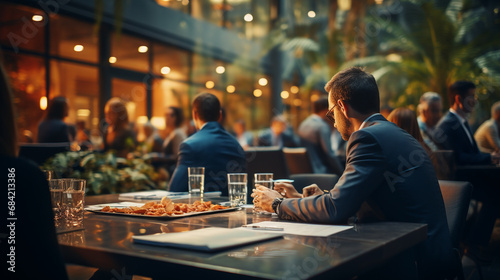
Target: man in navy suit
x=453 y=133
x=386 y=170
x=277 y=135
x=211 y=147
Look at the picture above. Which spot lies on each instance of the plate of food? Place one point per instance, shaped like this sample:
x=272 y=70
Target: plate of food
x=165 y=209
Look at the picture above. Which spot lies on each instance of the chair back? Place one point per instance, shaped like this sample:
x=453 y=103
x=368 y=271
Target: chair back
x=265 y=160
x=456 y=197
x=41 y=152
x=324 y=181
x=298 y=160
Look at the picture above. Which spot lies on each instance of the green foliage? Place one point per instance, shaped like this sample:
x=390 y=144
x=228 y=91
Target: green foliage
x=104 y=172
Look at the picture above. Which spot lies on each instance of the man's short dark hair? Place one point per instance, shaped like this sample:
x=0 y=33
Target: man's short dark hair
x=208 y=107
x=459 y=88
x=356 y=87
x=320 y=104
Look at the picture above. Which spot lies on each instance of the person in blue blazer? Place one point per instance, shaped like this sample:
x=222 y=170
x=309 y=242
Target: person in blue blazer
x=211 y=147
x=387 y=171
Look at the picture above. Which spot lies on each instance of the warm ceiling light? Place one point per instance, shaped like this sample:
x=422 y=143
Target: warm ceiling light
x=262 y=81
x=257 y=93
x=142 y=119
x=78 y=48
x=43 y=103
x=248 y=17
x=165 y=70
x=220 y=69
x=294 y=89
x=344 y=5
x=297 y=102
x=230 y=88
x=37 y=18
x=285 y=94
x=143 y=49
x=379 y=2
x=210 y=84
x=83 y=113
x=112 y=59
x=311 y=14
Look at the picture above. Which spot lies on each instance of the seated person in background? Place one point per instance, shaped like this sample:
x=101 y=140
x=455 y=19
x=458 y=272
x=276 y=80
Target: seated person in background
x=488 y=134
x=53 y=129
x=429 y=110
x=37 y=254
x=82 y=135
x=277 y=135
x=407 y=120
x=315 y=133
x=152 y=141
x=118 y=135
x=244 y=137
x=211 y=147
x=387 y=170
x=174 y=118
x=453 y=133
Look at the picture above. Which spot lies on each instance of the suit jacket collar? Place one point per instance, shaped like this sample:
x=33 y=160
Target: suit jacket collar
x=372 y=120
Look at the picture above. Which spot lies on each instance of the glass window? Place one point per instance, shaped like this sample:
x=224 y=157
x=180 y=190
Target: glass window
x=71 y=38
x=171 y=62
x=129 y=52
x=22 y=27
x=27 y=77
x=79 y=84
x=134 y=93
x=169 y=93
x=207 y=69
x=209 y=10
x=262 y=103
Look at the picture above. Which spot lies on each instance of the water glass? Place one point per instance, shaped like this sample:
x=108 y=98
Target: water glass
x=56 y=187
x=196 y=180
x=266 y=180
x=237 y=188
x=73 y=200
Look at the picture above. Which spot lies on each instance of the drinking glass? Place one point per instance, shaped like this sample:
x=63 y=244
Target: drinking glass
x=56 y=187
x=237 y=188
x=196 y=180
x=73 y=199
x=266 y=180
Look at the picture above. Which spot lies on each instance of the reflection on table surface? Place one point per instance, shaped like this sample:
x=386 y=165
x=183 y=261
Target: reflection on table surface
x=107 y=243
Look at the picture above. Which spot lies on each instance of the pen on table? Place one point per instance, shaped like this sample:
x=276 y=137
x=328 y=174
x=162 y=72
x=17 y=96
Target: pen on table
x=263 y=228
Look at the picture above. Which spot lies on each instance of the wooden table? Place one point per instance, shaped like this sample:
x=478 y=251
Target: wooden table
x=106 y=243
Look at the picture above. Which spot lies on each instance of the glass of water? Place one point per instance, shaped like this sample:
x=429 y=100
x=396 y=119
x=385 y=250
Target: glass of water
x=73 y=199
x=56 y=187
x=196 y=181
x=266 y=180
x=237 y=188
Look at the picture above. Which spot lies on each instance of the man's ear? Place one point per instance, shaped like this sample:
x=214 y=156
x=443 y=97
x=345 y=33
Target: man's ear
x=458 y=99
x=344 y=108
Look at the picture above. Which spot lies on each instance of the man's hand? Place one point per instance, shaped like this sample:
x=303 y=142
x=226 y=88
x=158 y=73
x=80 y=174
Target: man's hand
x=263 y=198
x=311 y=190
x=287 y=190
x=495 y=157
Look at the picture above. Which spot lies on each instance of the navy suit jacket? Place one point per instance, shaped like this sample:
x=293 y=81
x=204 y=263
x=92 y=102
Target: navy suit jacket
x=390 y=171
x=266 y=139
x=213 y=148
x=450 y=135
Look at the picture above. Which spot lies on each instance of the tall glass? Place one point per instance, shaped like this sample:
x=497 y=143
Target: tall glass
x=266 y=180
x=237 y=188
x=196 y=181
x=56 y=187
x=73 y=198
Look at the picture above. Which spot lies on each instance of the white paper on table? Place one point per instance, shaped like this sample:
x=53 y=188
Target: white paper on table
x=300 y=228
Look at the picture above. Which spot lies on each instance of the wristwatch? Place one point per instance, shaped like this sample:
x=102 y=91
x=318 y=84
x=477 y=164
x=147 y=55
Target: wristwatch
x=276 y=203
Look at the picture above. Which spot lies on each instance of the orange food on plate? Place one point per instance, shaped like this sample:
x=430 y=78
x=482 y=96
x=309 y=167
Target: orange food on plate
x=166 y=208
